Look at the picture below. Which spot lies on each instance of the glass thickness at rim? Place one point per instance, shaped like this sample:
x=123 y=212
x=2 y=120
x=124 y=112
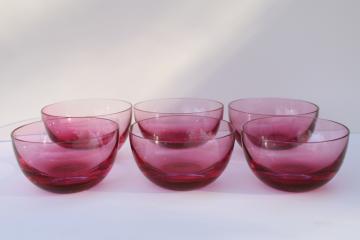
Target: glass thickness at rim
x=7 y=129
x=128 y=107
x=204 y=100
x=225 y=134
x=258 y=120
x=18 y=136
x=237 y=109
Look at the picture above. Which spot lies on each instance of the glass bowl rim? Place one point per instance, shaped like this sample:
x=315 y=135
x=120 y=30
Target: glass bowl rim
x=317 y=108
x=14 y=137
x=17 y=124
x=129 y=107
x=231 y=131
x=346 y=134
x=221 y=105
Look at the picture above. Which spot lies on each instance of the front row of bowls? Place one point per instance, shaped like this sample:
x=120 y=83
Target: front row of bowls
x=181 y=143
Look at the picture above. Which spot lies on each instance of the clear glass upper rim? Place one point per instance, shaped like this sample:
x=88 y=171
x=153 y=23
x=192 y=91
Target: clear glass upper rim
x=231 y=107
x=6 y=129
x=43 y=109
x=230 y=131
x=219 y=107
x=16 y=137
x=346 y=134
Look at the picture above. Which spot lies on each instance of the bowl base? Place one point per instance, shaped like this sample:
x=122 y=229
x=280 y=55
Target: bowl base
x=182 y=176
x=295 y=177
x=67 y=178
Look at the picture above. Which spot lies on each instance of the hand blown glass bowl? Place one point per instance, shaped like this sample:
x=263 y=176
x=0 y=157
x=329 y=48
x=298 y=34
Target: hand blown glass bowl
x=177 y=160
x=112 y=109
x=67 y=164
x=283 y=158
x=243 y=110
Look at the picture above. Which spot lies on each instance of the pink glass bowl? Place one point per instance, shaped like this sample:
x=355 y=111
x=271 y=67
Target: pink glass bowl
x=182 y=162
x=71 y=165
x=116 y=110
x=290 y=163
x=243 y=110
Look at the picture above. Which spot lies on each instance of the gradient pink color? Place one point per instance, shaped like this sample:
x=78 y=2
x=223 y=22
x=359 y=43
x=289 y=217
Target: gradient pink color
x=243 y=110
x=113 y=109
x=72 y=165
x=290 y=163
x=182 y=162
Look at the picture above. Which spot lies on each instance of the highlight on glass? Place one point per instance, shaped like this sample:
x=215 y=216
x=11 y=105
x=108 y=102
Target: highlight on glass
x=243 y=110
x=113 y=109
x=280 y=155
x=66 y=164
x=182 y=161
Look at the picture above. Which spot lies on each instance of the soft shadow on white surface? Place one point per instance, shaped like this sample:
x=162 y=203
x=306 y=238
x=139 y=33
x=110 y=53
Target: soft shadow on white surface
x=237 y=204
x=237 y=179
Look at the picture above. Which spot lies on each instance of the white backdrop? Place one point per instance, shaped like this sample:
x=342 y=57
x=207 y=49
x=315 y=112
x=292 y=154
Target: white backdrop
x=135 y=50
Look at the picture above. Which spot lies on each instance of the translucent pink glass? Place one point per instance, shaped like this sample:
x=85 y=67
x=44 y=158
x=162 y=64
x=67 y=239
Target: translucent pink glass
x=116 y=110
x=164 y=128
x=179 y=128
x=182 y=162
x=71 y=165
x=176 y=106
x=290 y=163
x=243 y=110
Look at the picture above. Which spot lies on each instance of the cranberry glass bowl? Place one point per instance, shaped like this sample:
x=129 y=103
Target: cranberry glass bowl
x=70 y=165
x=117 y=110
x=243 y=110
x=176 y=106
x=178 y=161
x=290 y=163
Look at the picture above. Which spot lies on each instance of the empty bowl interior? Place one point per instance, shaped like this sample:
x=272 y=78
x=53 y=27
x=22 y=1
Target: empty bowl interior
x=181 y=128
x=294 y=128
x=178 y=106
x=86 y=108
x=273 y=106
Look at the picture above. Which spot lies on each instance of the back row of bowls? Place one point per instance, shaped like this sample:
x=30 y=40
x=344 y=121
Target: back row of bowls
x=181 y=143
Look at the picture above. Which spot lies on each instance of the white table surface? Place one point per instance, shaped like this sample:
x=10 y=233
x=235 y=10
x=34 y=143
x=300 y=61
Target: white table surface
x=127 y=206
